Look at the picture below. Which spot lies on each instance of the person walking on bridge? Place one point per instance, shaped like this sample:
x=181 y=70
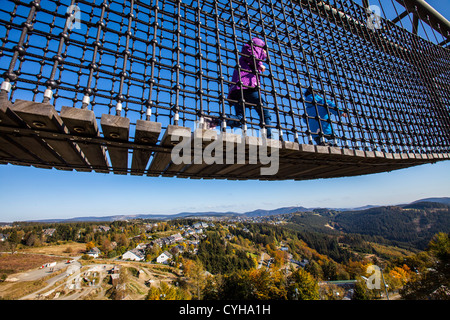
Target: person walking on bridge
x=317 y=104
x=245 y=82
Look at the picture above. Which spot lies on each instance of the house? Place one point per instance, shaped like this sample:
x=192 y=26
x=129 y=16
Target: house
x=188 y=232
x=104 y=228
x=115 y=279
x=177 y=249
x=204 y=224
x=157 y=242
x=177 y=237
x=164 y=257
x=197 y=225
x=303 y=263
x=135 y=255
x=48 y=232
x=94 y=252
x=141 y=246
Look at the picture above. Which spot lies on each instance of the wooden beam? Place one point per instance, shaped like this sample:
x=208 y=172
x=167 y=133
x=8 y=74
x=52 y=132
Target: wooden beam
x=83 y=123
x=147 y=132
x=161 y=160
x=116 y=128
x=43 y=116
x=35 y=147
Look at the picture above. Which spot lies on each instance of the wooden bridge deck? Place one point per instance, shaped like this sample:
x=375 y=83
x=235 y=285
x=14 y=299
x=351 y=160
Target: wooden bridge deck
x=36 y=134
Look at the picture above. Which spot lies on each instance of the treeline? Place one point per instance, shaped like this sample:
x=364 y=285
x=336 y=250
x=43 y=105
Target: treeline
x=37 y=234
x=260 y=284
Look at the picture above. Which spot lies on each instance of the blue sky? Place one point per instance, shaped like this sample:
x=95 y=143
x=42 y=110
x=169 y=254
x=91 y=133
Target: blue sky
x=28 y=193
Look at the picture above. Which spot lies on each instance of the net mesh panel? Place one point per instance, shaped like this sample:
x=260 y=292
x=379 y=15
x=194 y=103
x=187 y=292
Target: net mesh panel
x=172 y=62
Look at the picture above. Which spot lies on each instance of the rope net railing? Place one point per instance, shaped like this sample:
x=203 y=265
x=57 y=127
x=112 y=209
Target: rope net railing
x=372 y=87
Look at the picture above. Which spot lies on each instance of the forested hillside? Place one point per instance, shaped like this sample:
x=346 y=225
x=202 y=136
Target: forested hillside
x=412 y=225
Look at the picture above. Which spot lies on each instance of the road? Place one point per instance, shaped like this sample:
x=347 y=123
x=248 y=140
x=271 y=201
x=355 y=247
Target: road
x=72 y=281
x=72 y=269
x=37 y=274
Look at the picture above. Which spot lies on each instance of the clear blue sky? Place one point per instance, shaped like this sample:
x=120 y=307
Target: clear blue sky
x=28 y=193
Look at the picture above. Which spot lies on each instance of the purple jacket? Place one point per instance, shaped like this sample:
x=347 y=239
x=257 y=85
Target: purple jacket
x=249 y=78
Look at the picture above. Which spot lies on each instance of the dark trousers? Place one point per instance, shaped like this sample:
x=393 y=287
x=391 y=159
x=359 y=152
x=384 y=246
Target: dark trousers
x=250 y=96
x=326 y=137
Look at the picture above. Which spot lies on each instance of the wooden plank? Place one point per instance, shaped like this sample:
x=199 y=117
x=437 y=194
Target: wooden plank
x=38 y=148
x=244 y=146
x=10 y=149
x=291 y=155
x=172 y=136
x=147 y=132
x=82 y=122
x=116 y=128
x=225 y=138
x=201 y=138
x=266 y=151
x=43 y=116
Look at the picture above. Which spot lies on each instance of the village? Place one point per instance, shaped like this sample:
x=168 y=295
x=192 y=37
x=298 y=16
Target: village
x=187 y=239
x=126 y=259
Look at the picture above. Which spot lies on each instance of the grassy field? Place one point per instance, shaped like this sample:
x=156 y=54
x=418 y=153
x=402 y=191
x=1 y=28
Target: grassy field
x=69 y=249
x=18 y=262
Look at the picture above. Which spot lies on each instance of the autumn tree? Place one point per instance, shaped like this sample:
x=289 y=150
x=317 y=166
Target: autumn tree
x=194 y=270
x=302 y=286
x=106 y=245
x=90 y=245
x=167 y=292
x=433 y=283
x=121 y=239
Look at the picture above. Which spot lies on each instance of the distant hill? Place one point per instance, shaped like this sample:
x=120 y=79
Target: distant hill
x=254 y=213
x=413 y=224
x=444 y=200
x=261 y=213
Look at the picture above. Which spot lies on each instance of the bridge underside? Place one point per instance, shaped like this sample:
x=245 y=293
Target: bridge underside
x=34 y=134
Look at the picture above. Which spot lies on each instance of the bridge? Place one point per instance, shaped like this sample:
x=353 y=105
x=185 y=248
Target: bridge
x=120 y=85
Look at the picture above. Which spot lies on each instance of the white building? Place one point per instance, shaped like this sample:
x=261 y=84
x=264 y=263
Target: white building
x=94 y=252
x=135 y=255
x=177 y=237
x=164 y=257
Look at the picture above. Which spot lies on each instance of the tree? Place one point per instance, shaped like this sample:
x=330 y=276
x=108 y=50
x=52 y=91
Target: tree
x=30 y=239
x=361 y=291
x=302 y=286
x=268 y=285
x=13 y=240
x=90 y=245
x=434 y=283
x=167 y=292
x=121 y=240
x=194 y=270
x=314 y=269
x=106 y=245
